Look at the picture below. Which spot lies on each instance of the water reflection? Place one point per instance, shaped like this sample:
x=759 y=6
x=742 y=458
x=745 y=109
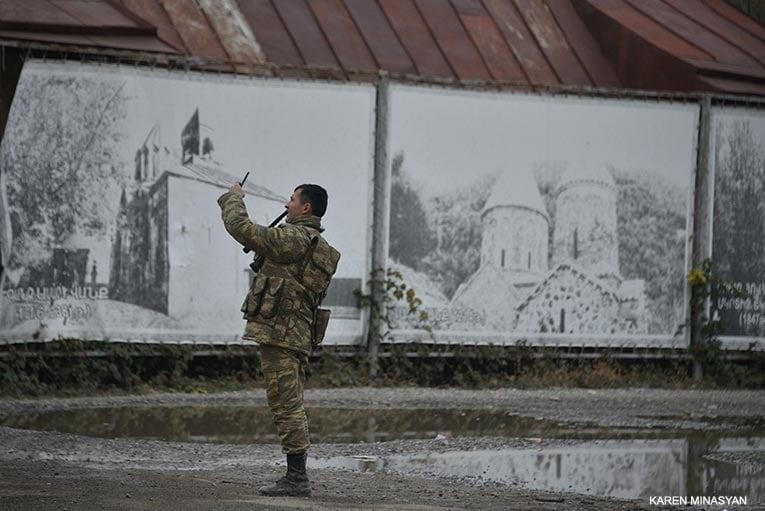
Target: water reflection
x=624 y=469
x=628 y=469
x=244 y=424
x=727 y=478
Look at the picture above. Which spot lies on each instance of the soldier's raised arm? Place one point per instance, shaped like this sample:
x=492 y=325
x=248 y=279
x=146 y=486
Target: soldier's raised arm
x=281 y=245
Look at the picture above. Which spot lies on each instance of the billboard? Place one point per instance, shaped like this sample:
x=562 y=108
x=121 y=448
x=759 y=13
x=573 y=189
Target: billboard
x=738 y=223
x=541 y=219
x=112 y=175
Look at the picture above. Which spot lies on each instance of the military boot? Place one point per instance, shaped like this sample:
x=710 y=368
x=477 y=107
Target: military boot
x=295 y=483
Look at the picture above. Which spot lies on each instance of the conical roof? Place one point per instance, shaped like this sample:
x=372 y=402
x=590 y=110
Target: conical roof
x=516 y=188
x=583 y=173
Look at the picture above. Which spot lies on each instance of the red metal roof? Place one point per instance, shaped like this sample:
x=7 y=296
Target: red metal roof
x=679 y=45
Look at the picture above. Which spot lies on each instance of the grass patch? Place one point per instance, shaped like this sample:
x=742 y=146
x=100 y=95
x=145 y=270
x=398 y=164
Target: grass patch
x=73 y=367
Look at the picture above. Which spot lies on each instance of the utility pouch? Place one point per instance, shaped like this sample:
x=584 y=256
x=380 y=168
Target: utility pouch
x=264 y=299
x=319 y=327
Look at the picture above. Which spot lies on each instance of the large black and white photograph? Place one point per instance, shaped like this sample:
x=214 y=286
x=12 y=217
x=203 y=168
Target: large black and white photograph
x=112 y=177
x=523 y=218
x=738 y=226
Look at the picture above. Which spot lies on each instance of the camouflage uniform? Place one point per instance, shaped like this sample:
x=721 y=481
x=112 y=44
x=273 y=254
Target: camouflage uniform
x=281 y=306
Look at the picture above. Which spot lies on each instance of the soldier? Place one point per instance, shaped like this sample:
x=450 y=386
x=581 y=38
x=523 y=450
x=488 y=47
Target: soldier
x=282 y=311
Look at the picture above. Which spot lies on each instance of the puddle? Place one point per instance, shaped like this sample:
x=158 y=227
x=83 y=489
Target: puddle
x=627 y=469
x=624 y=463
x=243 y=424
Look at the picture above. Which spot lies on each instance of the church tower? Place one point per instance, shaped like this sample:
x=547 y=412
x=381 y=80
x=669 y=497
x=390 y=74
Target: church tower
x=515 y=227
x=148 y=164
x=585 y=221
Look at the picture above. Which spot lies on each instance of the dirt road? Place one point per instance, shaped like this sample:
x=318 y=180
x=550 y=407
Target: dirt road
x=46 y=470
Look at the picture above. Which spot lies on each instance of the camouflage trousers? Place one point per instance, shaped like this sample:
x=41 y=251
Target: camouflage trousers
x=284 y=371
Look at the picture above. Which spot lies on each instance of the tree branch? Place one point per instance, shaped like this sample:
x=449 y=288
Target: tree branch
x=94 y=132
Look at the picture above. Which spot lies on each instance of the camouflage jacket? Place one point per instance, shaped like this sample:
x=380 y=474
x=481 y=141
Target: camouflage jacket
x=280 y=307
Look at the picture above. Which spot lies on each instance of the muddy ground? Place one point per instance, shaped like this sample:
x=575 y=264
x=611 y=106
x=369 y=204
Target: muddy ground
x=42 y=470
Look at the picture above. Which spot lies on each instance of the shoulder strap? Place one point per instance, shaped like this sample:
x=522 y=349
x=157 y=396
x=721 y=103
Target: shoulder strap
x=314 y=242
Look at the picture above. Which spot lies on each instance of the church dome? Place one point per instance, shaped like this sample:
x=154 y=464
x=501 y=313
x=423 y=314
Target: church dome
x=586 y=174
x=516 y=189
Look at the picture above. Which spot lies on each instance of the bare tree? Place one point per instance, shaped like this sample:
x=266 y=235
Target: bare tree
x=456 y=215
x=739 y=226
x=410 y=237
x=739 y=216
x=651 y=216
x=60 y=156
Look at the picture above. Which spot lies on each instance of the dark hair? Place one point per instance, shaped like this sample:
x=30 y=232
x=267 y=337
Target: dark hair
x=316 y=196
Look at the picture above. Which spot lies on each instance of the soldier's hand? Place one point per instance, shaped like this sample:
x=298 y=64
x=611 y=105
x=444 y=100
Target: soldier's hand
x=237 y=189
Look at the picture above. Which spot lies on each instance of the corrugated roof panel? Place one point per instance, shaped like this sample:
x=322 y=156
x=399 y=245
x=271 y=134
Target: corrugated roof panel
x=521 y=42
x=272 y=35
x=152 y=12
x=706 y=66
x=454 y=41
x=723 y=27
x=551 y=40
x=47 y=37
x=80 y=23
x=741 y=20
x=733 y=85
x=491 y=45
x=233 y=31
x=639 y=64
x=643 y=26
x=468 y=7
x=416 y=38
x=343 y=35
x=34 y=11
x=129 y=42
x=194 y=30
x=692 y=32
x=379 y=36
x=310 y=40
x=584 y=45
x=93 y=13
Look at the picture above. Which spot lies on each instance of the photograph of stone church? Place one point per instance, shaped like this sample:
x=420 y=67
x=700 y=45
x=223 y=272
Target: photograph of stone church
x=164 y=178
x=566 y=261
x=137 y=251
x=516 y=217
x=583 y=291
